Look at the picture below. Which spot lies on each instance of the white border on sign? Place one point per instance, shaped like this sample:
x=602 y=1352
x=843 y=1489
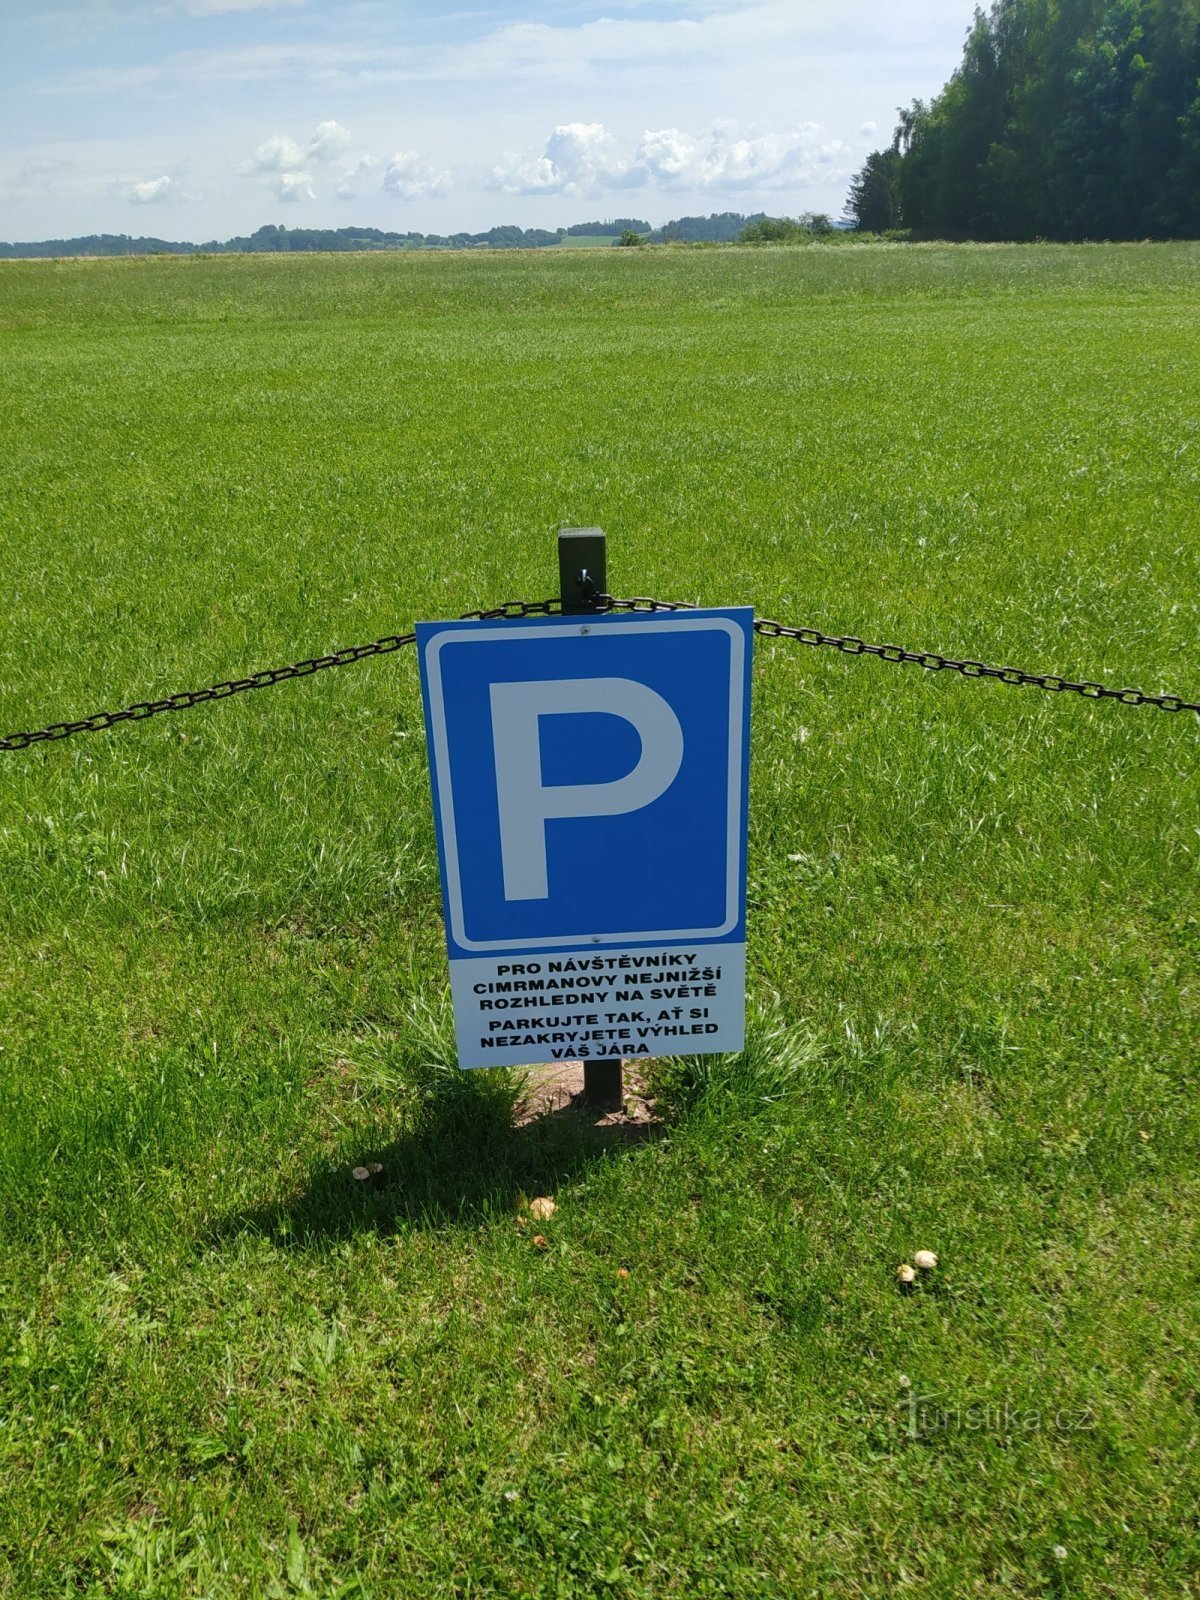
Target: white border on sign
x=441 y=755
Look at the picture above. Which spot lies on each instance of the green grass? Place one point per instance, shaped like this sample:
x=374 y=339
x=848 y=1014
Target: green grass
x=226 y=1368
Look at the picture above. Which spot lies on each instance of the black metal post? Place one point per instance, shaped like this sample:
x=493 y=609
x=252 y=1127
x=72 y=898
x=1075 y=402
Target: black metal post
x=581 y=569
x=582 y=576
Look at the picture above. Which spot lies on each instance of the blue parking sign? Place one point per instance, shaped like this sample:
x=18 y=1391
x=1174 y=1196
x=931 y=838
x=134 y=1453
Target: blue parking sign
x=590 y=781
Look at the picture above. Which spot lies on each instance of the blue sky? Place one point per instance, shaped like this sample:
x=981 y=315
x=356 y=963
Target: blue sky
x=204 y=118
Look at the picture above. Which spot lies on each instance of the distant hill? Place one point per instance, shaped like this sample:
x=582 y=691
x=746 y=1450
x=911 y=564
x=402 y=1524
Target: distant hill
x=607 y=230
x=273 y=238
x=96 y=244
x=278 y=240
x=720 y=227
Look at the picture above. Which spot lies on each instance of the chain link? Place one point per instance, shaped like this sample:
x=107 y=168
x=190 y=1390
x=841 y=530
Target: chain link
x=512 y=610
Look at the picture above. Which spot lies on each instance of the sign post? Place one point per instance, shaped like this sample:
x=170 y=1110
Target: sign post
x=582 y=575
x=590 y=785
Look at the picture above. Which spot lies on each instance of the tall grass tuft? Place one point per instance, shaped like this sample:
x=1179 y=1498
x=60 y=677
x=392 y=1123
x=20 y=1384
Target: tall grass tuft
x=778 y=1059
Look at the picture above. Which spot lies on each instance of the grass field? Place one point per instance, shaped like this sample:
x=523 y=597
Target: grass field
x=228 y=1369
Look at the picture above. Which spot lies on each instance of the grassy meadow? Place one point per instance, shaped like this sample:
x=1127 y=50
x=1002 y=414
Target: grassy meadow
x=227 y=1368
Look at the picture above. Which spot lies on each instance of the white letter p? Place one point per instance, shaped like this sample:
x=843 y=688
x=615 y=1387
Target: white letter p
x=526 y=804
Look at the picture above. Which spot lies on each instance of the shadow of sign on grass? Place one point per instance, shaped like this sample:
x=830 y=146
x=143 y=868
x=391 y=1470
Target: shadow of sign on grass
x=470 y=1143
x=476 y=1143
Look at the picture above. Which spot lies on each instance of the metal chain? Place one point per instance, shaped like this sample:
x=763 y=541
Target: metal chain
x=195 y=697
x=100 y=720
x=511 y=610
x=849 y=645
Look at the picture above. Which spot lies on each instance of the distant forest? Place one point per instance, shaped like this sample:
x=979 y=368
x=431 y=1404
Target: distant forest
x=1067 y=120
x=720 y=226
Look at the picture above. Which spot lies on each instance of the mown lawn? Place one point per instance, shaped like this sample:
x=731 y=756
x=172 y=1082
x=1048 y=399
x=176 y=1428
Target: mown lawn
x=227 y=1368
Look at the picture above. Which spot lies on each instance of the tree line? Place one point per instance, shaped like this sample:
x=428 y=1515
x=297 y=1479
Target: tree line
x=719 y=227
x=273 y=238
x=1067 y=120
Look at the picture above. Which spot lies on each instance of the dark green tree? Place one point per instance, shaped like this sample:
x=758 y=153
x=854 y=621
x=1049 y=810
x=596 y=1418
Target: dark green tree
x=873 y=205
x=1067 y=119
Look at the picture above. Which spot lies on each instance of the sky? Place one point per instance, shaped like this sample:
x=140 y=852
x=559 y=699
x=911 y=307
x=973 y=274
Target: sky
x=202 y=119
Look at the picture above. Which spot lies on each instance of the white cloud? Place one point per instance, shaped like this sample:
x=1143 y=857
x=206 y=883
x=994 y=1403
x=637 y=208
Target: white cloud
x=295 y=186
x=328 y=142
x=867 y=129
x=411 y=176
x=724 y=160
x=351 y=182
x=277 y=154
x=670 y=156
x=579 y=159
x=282 y=154
x=151 y=191
x=584 y=153
x=583 y=159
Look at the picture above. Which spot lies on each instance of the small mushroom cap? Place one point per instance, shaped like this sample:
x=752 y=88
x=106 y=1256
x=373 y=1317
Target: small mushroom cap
x=926 y=1260
x=905 y=1273
x=542 y=1209
x=360 y=1174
